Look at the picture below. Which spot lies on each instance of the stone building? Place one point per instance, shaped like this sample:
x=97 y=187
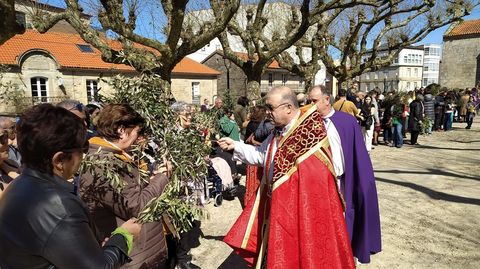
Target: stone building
x=58 y=65
x=405 y=74
x=460 y=67
x=431 y=64
x=273 y=76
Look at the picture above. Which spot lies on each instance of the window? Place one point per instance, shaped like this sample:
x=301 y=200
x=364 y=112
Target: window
x=415 y=85
x=409 y=72
x=300 y=82
x=408 y=85
x=39 y=89
x=367 y=76
x=376 y=75
x=196 y=93
x=284 y=79
x=415 y=72
x=92 y=90
x=425 y=82
x=85 y=48
x=270 y=79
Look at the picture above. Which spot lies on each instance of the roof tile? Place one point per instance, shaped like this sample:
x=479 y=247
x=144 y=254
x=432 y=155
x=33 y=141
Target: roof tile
x=470 y=27
x=63 y=47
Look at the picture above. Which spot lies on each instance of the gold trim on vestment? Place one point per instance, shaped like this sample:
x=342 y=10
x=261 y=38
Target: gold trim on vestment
x=253 y=214
x=316 y=150
x=297 y=122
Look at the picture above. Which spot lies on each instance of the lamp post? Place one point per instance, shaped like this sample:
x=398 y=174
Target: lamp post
x=385 y=82
x=227 y=64
x=397 y=81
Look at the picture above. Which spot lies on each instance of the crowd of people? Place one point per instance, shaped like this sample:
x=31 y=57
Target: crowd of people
x=394 y=114
x=309 y=178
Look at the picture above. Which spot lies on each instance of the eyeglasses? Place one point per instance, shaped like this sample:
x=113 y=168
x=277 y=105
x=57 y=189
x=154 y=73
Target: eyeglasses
x=83 y=149
x=272 y=108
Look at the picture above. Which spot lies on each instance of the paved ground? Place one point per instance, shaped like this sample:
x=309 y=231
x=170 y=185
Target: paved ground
x=429 y=199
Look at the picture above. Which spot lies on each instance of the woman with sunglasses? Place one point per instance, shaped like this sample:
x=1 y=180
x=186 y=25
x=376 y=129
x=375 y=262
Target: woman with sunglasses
x=118 y=127
x=54 y=228
x=8 y=169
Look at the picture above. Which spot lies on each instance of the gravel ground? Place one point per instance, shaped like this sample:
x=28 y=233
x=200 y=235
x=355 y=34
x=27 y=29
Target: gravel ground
x=429 y=198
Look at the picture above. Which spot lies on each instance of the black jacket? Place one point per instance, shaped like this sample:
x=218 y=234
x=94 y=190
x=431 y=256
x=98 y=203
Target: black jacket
x=416 y=116
x=44 y=224
x=429 y=104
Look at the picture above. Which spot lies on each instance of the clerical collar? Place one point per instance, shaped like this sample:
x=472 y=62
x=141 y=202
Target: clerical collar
x=330 y=113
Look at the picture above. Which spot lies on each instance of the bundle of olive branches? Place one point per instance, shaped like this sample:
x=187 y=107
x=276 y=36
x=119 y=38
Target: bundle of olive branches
x=185 y=149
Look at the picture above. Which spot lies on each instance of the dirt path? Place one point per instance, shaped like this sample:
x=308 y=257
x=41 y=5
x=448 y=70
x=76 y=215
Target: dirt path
x=429 y=203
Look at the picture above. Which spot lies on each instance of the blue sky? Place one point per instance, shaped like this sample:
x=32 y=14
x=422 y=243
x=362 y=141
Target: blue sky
x=433 y=37
x=436 y=36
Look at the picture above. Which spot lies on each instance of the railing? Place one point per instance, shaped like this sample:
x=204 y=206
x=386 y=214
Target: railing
x=34 y=100
x=264 y=88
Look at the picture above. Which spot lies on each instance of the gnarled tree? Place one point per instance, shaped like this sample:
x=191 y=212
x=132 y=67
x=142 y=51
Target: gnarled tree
x=365 y=39
x=145 y=50
x=267 y=29
x=8 y=24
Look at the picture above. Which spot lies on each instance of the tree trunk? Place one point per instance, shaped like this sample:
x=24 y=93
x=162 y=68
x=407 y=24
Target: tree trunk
x=8 y=24
x=309 y=81
x=253 y=86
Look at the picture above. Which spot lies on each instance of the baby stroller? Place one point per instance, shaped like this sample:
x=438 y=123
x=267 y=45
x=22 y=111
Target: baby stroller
x=220 y=182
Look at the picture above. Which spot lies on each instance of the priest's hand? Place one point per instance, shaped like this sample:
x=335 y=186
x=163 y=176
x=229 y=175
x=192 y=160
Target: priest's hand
x=226 y=143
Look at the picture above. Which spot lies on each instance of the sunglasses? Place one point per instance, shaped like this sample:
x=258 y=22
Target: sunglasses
x=80 y=107
x=83 y=149
x=272 y=108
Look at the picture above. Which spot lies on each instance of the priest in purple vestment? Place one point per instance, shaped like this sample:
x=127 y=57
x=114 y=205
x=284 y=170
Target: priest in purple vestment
x=354 y=170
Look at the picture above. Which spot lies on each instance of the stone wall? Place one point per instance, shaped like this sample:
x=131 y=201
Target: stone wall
x=182 y=88
x=72 y=84
x=459 y=67
x=238 y=80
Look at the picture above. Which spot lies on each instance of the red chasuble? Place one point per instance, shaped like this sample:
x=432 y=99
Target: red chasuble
x=296 y=220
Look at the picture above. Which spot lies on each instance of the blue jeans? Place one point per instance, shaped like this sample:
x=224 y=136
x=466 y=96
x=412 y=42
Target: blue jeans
x=397 y=135
x=387 y=134
x=448 y=122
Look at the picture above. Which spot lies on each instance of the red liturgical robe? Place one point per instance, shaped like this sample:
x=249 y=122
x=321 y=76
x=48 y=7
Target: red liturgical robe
x=296 y=221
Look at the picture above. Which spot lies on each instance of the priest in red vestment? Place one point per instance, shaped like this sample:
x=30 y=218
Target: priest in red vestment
x=296 y=218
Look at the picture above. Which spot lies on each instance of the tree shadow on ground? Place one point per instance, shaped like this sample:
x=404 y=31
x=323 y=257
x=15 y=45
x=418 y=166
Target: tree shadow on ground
x=465 y=142
x=430 y=171
x=193 y=235
x=233 y=261
x=436 y=195
x=433 y=147
x=214 y=237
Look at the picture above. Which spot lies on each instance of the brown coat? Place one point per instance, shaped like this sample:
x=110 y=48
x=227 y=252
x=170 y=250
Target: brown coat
x=111 y=209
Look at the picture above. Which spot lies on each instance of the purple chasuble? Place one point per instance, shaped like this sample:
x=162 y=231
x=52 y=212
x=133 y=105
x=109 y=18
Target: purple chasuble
x=362 y=214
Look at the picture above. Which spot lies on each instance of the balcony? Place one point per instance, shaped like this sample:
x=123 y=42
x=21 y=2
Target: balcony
x=264 y=88
x=35 y=100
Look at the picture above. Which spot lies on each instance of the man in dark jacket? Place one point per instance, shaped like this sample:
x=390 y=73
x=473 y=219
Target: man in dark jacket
x=429 y=107
x=415 y=120
x=439 y=111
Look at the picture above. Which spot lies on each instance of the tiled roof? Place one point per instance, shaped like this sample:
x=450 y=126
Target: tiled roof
x=465 y=28
x=244 y=56
x=63 y=47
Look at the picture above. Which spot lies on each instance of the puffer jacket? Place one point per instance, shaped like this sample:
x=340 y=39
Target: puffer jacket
x=111 y=208
x=429 y=106
x=44 y=224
